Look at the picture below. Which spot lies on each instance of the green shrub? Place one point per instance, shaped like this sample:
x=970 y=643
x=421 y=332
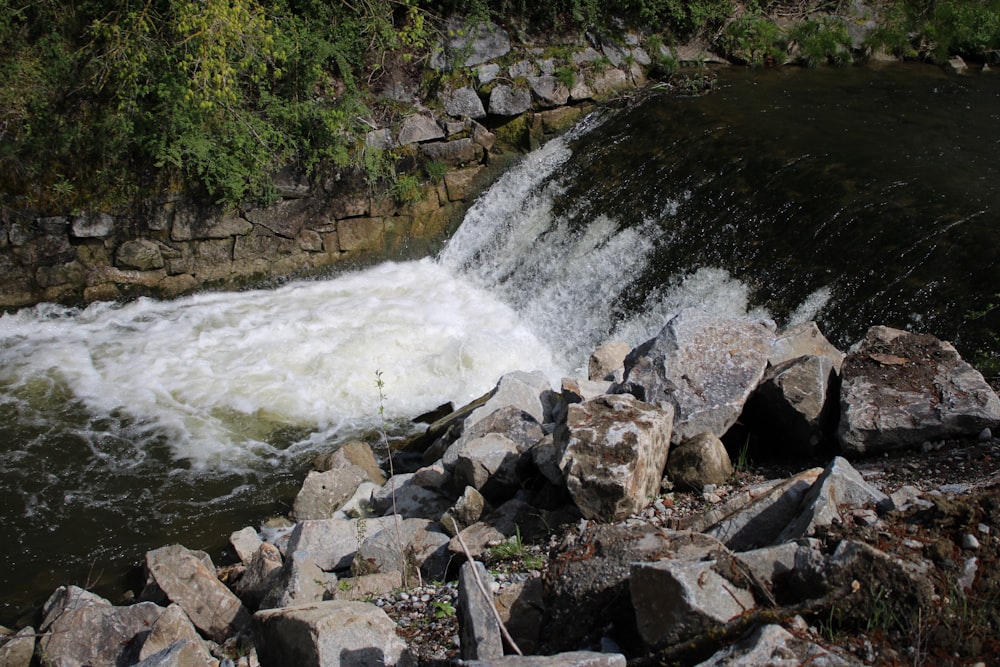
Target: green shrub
x=753 y=39
x=407 y=189
x=822 y=40
x=436 y=170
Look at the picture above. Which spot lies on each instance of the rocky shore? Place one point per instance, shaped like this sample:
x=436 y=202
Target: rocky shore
x=614 y=520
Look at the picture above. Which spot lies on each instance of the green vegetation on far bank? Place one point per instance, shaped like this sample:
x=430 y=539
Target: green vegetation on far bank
x=103 y=102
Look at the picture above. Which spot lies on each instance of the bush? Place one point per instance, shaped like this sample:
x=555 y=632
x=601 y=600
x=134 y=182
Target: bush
x=822 y=40
x=754 y=40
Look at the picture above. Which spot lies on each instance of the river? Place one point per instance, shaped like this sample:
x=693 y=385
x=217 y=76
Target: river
x=854 y=197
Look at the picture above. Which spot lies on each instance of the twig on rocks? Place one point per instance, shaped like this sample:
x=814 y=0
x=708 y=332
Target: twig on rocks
x=482 y=589
x=720 y=635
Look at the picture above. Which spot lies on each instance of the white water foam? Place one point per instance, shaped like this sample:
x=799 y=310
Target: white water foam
x=217 y=372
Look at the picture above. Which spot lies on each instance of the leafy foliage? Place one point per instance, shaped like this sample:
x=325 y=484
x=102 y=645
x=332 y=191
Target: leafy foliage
x=823 y=40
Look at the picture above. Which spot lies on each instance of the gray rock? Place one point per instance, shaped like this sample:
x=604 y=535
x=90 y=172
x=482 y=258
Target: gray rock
x=699 y=461
x=261 y=575
x=577 y=391
x=97 y=635
x=191 y=225
x=323 y=493
x=546 y=456
x=608 y=360
x=140 y=254
x=380 y=139
x=368 y=586
x=616 y=449
x=899 y=389
x=181 y=653
x=352 y=453
x=795 y=407
x=333 y=543
x=528 y=392
x=418 y=128
x=609 y=82
x=675 y=600
x=328 y=634
x=759 y=519
x=467 y=510
x=774 y=646
x=522 y=69
x=468 y=46
x=185 y=579
x=800 y=340
x=489 y=464
x=403 y=496
x=521 y=606
x=93 y=226
x=361 y=504
x=590 y=588
x=65 y=599
x=703 y=365
x=571 y=659
x=245 y=543
x=479 y=632
x=454 y=153
x=18 y=649
x=514 y=517
x=840 y=484
x=772 y=562
x=464 y=103
x=410 y=546
x=300 y=581
x=488 y=72
x=548 y=91
x=174 y=633
x=506 y=100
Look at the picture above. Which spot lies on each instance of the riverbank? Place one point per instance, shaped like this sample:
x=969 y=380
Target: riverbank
x=596 y=507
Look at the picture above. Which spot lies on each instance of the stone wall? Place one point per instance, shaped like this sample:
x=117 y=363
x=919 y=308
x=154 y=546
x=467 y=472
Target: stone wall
x=494 y=97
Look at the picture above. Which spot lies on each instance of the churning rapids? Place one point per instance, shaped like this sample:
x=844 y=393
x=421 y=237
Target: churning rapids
x=856 y=197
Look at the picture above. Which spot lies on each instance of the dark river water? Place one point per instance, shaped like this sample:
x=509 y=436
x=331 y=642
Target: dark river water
x=850 y=196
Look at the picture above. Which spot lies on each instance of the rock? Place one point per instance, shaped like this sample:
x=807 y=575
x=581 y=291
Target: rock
x=521 y=606
x=795 y=406
x=957 y=65
x=464 y=103
x=703 y=365
x=327 y=634
x=479 y=632
x=18 y=649
x=459 y=183
x=454 y=153
x=97 y=635
x=699 y=461
x=174 y=632
x=65 y=599
x=403 y=496
x=758 y=519
x=367 y=586
x=186 y=580
x=514 y=517
x=361 y=504
x=467 y=510
x=410 y=546
x=140 y=254
x=507 y=100
x=615 y=452
x=529 y=392
x=609 y=82
x=181 y=653
x=93 y=226
x=468 y=46
x=333 y=543
x=840 y=484
x=245 y=543
x=488 y=72
x=774 y=646
x=801 y=340
x=571 y=659
x=300 y=581
x=586 y=583
x=418 y=128
x=578 y=391
x=546 y=456
x=548 y=91
x=352 y=453
x=191 y=225
x=608 y=360
x=323 y=493
x=490 y=465
x=260 y=576
x=899 y=389
x=380 y=139
x=676 y=600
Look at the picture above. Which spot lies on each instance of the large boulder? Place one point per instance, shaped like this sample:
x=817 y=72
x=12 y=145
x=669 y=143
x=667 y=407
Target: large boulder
x=704 y=366
x=615 y=452
x=468 y=46
x=410 y=546
x=480 y=637
x=463 y=103
x=333 y=543
x=802 y=340
x=490 y=465
x=676 y=600
x=174 y=632
x=328 y=634
x=323 y=493
x=184 y=578
x=18 y=649
x=300 y=581
x=507 y=100
x=899 y=389
x=795 y=407
x=698 y=462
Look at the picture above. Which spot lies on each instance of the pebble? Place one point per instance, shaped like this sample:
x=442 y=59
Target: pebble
x=985 y=434
x=970 y=542
x=983 y=528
